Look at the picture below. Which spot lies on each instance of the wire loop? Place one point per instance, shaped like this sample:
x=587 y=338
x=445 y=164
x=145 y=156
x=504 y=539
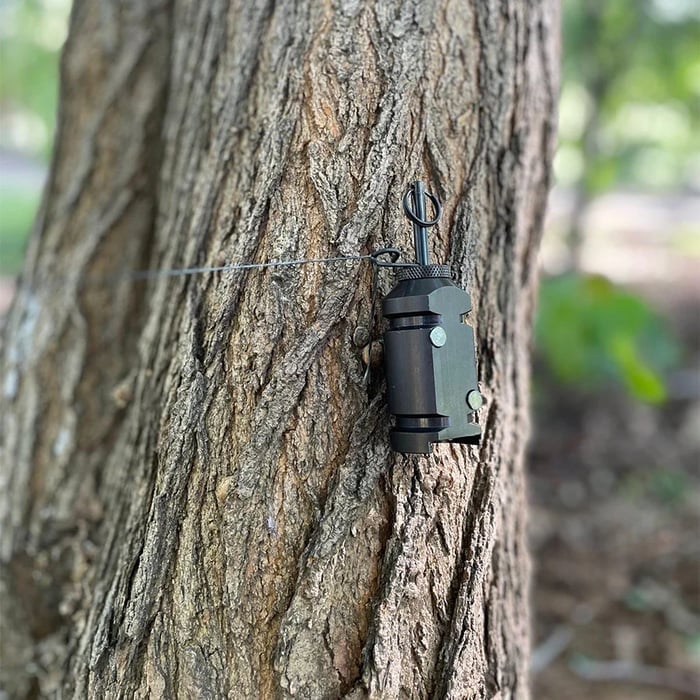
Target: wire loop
x=393 y=253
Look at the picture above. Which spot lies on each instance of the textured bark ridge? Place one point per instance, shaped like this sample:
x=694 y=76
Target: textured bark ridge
x=198 y=497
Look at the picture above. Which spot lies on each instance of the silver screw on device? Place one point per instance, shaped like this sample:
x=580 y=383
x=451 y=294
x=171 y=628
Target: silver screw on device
x=475 y=400
x=438 y=337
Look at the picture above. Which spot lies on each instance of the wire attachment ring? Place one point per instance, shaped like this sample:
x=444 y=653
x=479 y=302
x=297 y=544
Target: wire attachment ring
x=392 y=253
x=437 y=205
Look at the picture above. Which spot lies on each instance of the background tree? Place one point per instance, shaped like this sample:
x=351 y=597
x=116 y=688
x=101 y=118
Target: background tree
x=630 y=107
x=199 y=497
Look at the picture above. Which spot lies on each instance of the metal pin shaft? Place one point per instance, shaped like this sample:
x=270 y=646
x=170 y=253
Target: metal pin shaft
x=420 y=233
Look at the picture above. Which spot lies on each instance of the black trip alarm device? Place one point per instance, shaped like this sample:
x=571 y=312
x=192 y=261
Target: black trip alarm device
x=429 y=357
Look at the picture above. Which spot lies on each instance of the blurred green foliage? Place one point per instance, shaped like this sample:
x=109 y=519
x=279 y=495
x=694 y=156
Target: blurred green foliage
x=17 y=210
x=591 y=333
x=31 y=35
x=630 y=104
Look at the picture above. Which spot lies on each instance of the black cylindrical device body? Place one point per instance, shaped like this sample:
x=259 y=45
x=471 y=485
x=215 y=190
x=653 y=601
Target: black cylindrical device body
x=429 y=361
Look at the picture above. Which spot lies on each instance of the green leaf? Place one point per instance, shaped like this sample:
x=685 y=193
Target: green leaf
x=589 y=332
x=640 y=379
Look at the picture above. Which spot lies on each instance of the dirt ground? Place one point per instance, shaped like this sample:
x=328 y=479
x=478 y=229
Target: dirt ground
x=615 y=493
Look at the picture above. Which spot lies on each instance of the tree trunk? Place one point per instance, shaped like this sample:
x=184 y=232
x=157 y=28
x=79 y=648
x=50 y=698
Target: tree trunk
x=198 y=495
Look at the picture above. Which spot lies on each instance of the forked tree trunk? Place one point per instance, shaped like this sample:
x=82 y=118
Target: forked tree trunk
x=198 y=495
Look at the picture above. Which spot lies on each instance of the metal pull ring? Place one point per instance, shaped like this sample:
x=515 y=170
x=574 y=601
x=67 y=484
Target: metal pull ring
x=413 y=216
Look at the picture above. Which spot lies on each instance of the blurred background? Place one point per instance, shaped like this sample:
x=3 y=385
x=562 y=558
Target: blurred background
x=615 y=454
x=614 y=463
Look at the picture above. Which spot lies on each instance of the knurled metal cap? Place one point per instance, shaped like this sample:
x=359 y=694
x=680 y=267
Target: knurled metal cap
x=417 y=272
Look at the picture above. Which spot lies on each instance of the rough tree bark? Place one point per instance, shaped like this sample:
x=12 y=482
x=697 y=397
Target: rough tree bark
x=198 y=496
